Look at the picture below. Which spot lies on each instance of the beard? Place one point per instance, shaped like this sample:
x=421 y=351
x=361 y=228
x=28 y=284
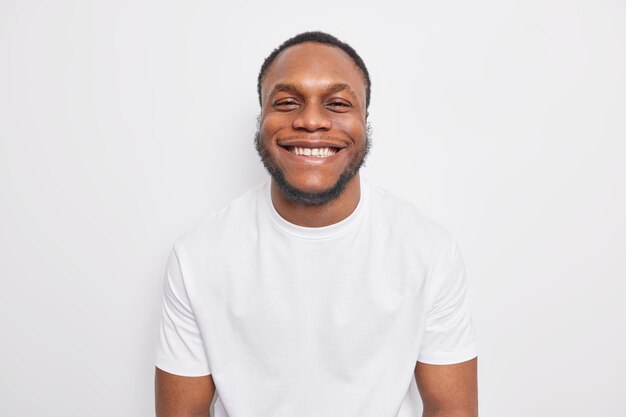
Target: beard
x=308 y=198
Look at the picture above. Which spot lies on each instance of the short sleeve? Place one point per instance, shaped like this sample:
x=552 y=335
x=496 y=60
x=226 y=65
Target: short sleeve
x=180 y=349
x=449 y=335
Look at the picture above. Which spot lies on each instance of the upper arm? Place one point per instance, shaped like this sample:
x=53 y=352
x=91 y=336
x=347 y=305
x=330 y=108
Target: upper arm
x=448 y=390
x=446 y=376
x=183 y=396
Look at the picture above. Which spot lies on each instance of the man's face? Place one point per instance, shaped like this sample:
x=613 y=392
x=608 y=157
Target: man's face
x=312 y=134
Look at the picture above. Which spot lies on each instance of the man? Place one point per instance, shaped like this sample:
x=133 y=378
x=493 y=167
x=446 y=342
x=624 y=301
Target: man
x=315 y=293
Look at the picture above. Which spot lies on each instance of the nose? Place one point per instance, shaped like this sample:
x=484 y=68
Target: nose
x=312 y=118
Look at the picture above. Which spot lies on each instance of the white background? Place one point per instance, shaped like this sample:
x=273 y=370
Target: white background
x=123 y=122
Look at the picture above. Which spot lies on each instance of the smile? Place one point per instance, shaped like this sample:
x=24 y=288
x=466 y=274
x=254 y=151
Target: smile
x=315 y=152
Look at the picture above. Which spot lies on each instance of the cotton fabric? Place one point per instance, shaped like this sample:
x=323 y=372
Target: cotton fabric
x=329 y=321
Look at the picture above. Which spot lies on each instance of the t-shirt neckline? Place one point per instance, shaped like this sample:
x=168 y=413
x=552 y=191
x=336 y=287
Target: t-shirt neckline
x=323 y=232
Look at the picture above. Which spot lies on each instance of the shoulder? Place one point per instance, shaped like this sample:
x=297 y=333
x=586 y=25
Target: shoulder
x=399 y=216
x=406 y=229
x=219 y=224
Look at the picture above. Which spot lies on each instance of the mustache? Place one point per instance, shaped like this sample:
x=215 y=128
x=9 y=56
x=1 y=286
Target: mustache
x=310 y=137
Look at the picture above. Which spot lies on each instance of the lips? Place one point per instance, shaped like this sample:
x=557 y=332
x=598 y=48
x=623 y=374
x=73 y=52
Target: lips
x=313 y=149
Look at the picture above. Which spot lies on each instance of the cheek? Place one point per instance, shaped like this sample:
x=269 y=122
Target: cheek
x=272 y=123
x=355 y=128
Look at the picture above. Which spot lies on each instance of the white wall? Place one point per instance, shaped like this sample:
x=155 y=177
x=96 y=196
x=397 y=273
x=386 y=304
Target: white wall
x=123 y=122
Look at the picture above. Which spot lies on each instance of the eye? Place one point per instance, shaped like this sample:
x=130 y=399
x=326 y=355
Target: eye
x=286 y=104
x=339 y=106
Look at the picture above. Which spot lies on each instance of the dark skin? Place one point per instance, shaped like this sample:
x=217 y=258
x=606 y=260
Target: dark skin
x=183 y=396
x=448 y=390
x=313 y=96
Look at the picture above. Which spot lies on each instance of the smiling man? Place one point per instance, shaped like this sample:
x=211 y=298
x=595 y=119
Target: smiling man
x=316 y=293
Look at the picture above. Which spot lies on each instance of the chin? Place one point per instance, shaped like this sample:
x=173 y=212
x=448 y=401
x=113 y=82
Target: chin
x=311 y=193
x=312 y=184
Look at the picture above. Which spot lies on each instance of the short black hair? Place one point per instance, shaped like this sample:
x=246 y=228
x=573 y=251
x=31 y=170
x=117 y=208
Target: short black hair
x=319 y=37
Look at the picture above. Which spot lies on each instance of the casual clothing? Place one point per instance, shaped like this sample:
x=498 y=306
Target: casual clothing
x=297 y=321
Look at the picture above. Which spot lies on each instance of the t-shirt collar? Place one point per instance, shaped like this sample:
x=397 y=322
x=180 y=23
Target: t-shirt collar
x=323 y=232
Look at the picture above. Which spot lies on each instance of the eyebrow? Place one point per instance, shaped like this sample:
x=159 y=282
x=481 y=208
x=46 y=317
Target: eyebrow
x=332 y=88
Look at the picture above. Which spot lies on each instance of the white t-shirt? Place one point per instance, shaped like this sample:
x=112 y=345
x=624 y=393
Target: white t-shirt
x=329 y=321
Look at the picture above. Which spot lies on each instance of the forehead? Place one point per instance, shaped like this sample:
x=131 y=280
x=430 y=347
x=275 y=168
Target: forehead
x=313 y=64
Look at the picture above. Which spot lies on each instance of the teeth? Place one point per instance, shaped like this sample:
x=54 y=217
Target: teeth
x=317 y=152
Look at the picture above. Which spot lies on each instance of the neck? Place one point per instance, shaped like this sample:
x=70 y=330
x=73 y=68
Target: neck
x=322 y=215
